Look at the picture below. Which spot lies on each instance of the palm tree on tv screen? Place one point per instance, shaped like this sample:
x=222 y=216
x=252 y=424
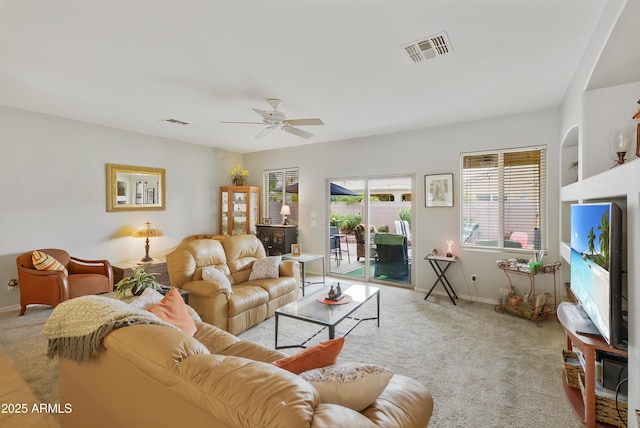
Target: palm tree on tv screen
x=603 y=240
x=591 y=241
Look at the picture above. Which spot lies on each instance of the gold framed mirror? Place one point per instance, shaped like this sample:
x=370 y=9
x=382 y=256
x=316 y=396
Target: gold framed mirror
x=135 y=188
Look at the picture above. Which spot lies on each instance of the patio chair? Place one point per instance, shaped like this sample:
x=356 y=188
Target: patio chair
x=361 y=236
x=393 y=256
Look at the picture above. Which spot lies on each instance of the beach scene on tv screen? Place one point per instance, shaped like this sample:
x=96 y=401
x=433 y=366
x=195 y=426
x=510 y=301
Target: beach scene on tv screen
x=590 y=261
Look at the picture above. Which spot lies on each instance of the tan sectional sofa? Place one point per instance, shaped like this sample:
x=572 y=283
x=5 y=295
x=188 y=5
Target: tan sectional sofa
x=245 y=302
x=154 y=376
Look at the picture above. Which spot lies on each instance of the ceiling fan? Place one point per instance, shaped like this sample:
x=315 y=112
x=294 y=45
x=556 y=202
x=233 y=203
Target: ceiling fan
x=275 y=119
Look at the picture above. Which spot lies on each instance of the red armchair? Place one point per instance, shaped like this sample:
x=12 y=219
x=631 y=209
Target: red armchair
x=51 y=287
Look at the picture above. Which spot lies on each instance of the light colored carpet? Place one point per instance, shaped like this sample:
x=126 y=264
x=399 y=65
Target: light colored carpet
x=484 y=369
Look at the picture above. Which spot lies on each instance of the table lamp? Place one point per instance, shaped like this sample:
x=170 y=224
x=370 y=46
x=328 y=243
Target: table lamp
x=284 y=212
x=147 y=231
x=449 y=248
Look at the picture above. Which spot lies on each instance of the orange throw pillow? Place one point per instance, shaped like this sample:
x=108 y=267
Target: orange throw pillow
x=315 y=357
x=173 y=310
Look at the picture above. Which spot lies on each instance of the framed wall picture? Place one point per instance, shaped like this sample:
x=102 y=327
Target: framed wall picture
x=438 y=190
x=296 y=250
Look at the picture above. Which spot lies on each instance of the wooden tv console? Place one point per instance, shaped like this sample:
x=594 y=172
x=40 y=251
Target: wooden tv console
x=588 y=345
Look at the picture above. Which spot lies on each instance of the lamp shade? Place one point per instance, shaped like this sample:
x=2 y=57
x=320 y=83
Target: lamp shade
x=147 y=231
x=285 y=210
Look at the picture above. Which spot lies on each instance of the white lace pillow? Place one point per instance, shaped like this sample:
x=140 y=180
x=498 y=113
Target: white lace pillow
x=212 y=273
x=267 y=267
x=148 y=298
x=353 y=385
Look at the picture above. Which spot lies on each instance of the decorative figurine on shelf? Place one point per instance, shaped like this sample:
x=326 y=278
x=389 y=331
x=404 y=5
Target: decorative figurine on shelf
x=449 y=248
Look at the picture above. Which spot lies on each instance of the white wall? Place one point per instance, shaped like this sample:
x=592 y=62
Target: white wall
x=430 y=151
x=53 y=191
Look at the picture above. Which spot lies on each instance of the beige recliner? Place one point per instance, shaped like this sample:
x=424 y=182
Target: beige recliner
x=244 y=303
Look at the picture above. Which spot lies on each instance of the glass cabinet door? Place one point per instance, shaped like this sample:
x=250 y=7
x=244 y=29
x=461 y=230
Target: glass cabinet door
x=254 y=212
x=224 y=219
x=239 y=209
x=239 y=213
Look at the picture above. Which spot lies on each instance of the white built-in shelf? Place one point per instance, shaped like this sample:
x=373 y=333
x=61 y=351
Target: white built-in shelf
x=620 y=181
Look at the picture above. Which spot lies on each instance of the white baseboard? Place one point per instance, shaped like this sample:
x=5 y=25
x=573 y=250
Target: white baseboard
x=460 y=296
x=5 y=309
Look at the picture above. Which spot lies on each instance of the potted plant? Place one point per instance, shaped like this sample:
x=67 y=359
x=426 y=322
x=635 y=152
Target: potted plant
x=239 y=175
x=137 y=282
x=573 y=167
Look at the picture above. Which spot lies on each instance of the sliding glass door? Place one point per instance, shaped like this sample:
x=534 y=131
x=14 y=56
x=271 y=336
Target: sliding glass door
x=370 y=228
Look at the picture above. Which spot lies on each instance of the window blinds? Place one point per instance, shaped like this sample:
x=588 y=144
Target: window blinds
x=281 y=187
x=504 y=198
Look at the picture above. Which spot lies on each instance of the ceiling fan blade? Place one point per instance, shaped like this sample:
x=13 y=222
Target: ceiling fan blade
x=304 y=122
x=246 y=123
x=265 y=114
x=265 y=132
x=296 y=131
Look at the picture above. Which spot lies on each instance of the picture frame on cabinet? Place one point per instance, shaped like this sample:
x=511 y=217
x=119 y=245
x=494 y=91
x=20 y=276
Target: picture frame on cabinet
x=438 y=190
x=296 y=250
x=266 y=220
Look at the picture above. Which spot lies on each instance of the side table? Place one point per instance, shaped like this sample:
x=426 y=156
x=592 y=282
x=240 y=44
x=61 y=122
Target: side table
x=303 y=259
x=535 y=310
x=435 y=261
x=157 y=267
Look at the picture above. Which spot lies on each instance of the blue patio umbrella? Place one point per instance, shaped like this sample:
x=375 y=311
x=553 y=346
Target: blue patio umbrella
x=336 y=190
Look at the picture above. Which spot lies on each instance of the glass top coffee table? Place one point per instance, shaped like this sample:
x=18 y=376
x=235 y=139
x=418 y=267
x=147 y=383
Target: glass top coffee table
x=311 y=310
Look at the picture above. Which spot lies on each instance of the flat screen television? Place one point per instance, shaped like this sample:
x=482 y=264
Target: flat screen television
x=596 y=267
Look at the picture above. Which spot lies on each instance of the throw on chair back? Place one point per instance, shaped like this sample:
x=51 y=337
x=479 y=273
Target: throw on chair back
x=402 y=228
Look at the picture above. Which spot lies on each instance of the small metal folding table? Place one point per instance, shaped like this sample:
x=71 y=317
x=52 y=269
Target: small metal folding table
x=437 y=262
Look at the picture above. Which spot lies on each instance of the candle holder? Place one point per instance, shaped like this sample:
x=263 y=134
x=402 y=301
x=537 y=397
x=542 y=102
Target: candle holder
x=621 y=141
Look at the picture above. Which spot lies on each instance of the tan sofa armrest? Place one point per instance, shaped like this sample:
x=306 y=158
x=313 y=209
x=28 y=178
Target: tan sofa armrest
x=404 y=402
x=207 y=288
x=326 y=415
x=253 y=351
x=213 y=338
x=288 y=268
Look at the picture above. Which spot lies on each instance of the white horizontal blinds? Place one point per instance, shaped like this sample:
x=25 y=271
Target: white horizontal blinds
x=480 y=207
x=504 y=198
x=281 y=185
x=291 y=193
x=524 y=198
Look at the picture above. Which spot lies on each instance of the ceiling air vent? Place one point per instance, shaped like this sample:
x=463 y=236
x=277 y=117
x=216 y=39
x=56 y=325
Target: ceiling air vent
x=429 y=47
x=176 y=122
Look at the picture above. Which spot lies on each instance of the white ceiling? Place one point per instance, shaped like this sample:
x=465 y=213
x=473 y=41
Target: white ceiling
x=129 y=64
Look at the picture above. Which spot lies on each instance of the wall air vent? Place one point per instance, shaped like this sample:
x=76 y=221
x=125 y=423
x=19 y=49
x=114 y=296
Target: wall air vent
x=429 y=47
x=176 y=122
